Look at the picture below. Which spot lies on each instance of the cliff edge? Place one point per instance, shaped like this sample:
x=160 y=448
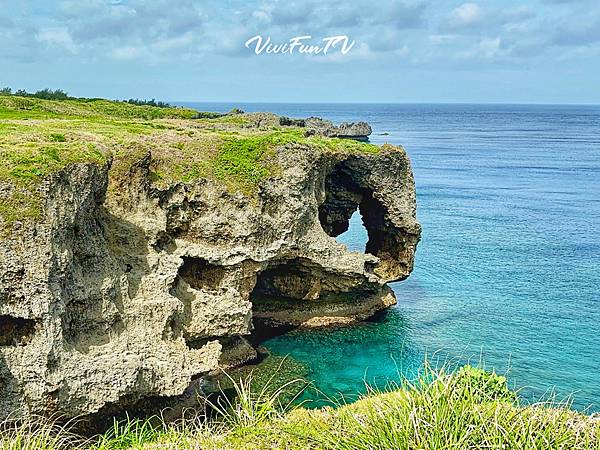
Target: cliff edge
x=137 y=244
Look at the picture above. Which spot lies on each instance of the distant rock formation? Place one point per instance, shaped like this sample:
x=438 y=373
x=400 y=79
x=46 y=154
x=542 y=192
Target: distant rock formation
x=320 y=127
x=359 y=131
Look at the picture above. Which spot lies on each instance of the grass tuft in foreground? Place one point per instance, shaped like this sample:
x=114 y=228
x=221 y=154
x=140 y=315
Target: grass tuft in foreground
x=250 y=408
x=38 y=434
x=467 y=409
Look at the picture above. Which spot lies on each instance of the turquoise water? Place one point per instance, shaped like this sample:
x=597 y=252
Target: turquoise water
x=508 y=269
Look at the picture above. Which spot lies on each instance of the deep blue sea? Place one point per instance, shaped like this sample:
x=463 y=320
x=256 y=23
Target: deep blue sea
x=508 y=269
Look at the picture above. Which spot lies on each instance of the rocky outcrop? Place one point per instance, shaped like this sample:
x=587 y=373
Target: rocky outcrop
x=125 y=290
x=317 y=126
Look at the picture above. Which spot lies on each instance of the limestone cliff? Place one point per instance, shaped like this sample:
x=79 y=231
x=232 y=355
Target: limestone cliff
x=128 y=286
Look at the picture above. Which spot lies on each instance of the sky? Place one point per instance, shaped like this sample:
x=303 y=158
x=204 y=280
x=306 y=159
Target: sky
x=498 y=51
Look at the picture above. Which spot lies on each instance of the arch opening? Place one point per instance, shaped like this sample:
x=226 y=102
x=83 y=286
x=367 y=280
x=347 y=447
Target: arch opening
x=355 y=238
x=351 y=213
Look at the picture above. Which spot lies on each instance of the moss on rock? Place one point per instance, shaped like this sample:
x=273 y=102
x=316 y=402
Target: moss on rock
x=40 y=137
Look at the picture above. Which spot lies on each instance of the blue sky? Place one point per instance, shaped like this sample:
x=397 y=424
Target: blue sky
x=541 y=51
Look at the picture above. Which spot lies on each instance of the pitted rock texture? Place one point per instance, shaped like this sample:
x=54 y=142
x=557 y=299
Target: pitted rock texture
x=359 y=130
x=124 y=290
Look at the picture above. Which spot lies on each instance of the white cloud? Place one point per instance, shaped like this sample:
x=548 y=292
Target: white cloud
x=128 y=52
x=487 y=48
x=261 y=16
x=59 y=37
x=157 y=31
x=465 y=16
x=174 y=43
x=442 y=38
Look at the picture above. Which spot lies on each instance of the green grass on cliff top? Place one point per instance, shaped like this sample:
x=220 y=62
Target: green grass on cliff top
x=468 y=409
x=40 y=137
x=15 y=107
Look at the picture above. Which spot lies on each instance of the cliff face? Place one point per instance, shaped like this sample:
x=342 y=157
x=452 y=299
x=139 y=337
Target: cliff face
x=126 y=288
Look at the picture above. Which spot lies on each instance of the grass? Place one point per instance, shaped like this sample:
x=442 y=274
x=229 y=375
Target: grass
x=270 y=374
x=40 y=137
x=38 y=434
x=248 y=160
x=33 y=108
x=250 y=408
x=467 y=409
x=130 y=433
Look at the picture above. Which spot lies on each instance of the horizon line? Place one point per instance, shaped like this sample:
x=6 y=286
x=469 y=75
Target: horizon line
x=380 y=103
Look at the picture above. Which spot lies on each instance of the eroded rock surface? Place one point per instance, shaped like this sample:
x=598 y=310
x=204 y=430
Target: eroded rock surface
x=125 y=290
x=359 y=130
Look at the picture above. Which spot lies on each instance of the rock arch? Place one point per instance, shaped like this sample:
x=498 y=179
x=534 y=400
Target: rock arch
x=353 y=184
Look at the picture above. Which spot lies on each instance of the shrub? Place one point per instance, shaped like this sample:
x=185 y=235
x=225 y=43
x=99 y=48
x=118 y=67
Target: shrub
x=48 y=94
x=152 y=102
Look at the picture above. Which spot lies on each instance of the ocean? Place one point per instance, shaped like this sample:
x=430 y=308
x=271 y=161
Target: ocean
x=507 y=273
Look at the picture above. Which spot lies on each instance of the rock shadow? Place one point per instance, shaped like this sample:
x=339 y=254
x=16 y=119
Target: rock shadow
x=109 y=258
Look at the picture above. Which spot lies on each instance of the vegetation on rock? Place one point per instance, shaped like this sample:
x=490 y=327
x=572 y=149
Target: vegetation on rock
x=467 y=409
x=42 y=133
x=59 y=94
